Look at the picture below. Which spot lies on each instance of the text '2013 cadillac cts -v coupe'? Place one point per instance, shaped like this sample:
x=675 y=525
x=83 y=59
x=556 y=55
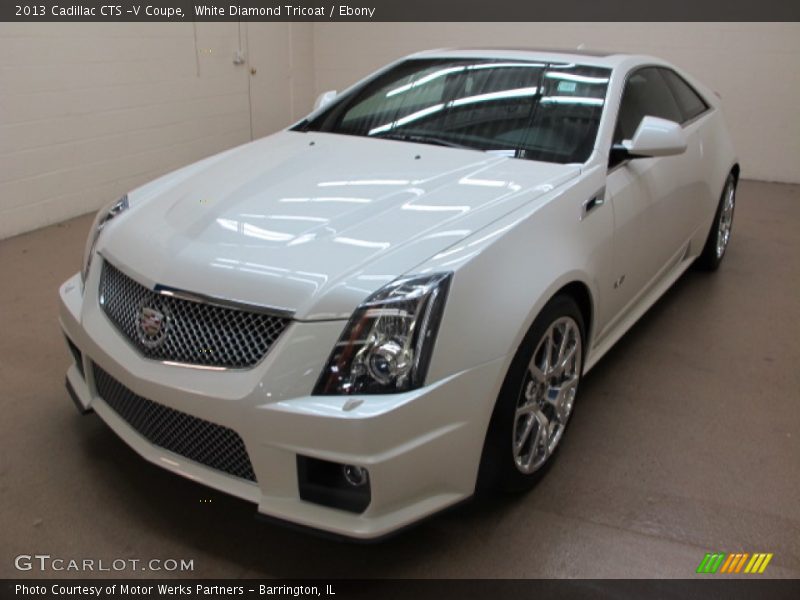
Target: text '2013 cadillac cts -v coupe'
x=359 y=321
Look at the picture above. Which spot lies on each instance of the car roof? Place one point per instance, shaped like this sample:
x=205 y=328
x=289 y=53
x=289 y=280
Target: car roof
x=593 y=57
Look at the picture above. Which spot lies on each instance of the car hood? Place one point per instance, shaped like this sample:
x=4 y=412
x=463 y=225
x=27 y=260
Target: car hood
x=315 y=222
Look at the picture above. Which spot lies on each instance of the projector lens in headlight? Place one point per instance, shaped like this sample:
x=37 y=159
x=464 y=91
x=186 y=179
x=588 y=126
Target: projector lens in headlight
x=387 y=344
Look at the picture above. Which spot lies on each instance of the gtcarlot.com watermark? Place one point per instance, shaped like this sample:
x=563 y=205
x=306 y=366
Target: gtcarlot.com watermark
x=47 y=563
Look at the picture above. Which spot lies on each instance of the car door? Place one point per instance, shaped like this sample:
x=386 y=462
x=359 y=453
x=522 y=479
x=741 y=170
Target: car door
x=694 y=201
x=649 y=196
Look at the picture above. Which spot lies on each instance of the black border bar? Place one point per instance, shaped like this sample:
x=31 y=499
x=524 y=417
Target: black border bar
x=397 y=10
x=708 y=588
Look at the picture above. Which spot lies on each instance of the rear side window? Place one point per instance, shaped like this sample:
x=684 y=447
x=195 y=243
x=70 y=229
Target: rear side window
x=689 y=101
x=646 y=95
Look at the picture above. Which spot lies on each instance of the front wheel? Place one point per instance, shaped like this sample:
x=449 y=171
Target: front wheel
x=536 y=400
x=720 y=234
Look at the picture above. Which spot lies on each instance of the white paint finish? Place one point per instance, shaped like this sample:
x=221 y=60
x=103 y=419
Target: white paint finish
x=317 y=228
x=752 y=65
x=658 y=204
x=657 y=137
x=317 y=225
x=270 y=408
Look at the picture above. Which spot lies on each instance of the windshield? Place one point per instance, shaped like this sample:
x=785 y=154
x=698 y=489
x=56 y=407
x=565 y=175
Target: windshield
x=531 y=110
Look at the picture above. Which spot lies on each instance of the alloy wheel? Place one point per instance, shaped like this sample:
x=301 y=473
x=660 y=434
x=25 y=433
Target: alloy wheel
x=547 y=395
x=726 y=219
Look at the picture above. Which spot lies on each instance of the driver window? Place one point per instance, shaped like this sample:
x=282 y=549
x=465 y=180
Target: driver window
x=646 y=94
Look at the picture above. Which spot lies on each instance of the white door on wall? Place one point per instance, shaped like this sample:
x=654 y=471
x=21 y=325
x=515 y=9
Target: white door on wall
x=269 y=63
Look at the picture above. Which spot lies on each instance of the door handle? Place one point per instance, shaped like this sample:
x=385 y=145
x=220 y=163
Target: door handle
x=595 y=201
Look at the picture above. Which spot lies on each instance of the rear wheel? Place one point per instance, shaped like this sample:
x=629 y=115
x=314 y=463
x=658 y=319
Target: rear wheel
x=536 y=400
x=720 y=234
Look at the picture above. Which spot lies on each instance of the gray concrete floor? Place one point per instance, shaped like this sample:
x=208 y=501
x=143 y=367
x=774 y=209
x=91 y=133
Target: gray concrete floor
x=686 y=440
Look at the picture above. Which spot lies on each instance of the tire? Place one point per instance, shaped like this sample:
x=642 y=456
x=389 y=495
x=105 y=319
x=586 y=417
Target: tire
x=512 y=462
x=720 y=234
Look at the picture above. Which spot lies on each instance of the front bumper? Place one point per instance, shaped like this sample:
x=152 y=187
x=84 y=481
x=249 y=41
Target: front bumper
x=422 y=448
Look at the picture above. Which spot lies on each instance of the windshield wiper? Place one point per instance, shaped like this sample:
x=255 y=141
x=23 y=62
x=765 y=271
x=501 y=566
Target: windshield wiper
x=422 y=139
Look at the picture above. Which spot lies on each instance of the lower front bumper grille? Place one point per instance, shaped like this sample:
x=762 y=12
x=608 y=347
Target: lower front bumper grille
x=204 y=442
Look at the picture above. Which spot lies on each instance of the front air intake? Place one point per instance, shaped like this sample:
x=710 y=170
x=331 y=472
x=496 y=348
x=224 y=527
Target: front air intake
x=199 y=440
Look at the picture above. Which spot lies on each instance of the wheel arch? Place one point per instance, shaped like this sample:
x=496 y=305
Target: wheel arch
x=575 y=288
x=579 y=292
x=582 y=295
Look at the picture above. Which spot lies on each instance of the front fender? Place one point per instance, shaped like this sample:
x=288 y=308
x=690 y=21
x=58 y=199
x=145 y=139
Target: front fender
x=507 y=272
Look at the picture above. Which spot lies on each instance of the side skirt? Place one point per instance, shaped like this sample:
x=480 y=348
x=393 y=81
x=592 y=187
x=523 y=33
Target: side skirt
x=636 y=313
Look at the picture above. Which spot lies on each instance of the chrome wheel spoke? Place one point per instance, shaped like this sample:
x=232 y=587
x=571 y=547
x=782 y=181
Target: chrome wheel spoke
x=522 y=436
x=542 y=435
x=537 y=374
x=563 y=346
x=726 y=219
x=565 y=362
x=530 y=394
x=547 y=353
x=562 y=400
x=546 y=399
x=530 y=443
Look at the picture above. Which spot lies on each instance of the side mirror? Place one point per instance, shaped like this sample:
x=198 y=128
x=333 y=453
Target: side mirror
x=324 y=99
x=656 y=137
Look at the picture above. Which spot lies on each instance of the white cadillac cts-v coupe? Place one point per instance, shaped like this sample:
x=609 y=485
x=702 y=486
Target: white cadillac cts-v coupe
x=359 y=321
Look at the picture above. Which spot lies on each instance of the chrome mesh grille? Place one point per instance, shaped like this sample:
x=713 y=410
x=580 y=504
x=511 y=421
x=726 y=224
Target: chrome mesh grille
x=213 y=445
x=196 y=333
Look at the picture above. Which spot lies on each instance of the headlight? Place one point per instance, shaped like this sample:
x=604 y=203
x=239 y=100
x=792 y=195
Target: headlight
x=103 y=216
x=387 y=345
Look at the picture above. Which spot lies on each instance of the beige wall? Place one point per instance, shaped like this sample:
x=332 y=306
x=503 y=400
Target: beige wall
x=301 y=69
x=89 y=111
x=754 y=66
